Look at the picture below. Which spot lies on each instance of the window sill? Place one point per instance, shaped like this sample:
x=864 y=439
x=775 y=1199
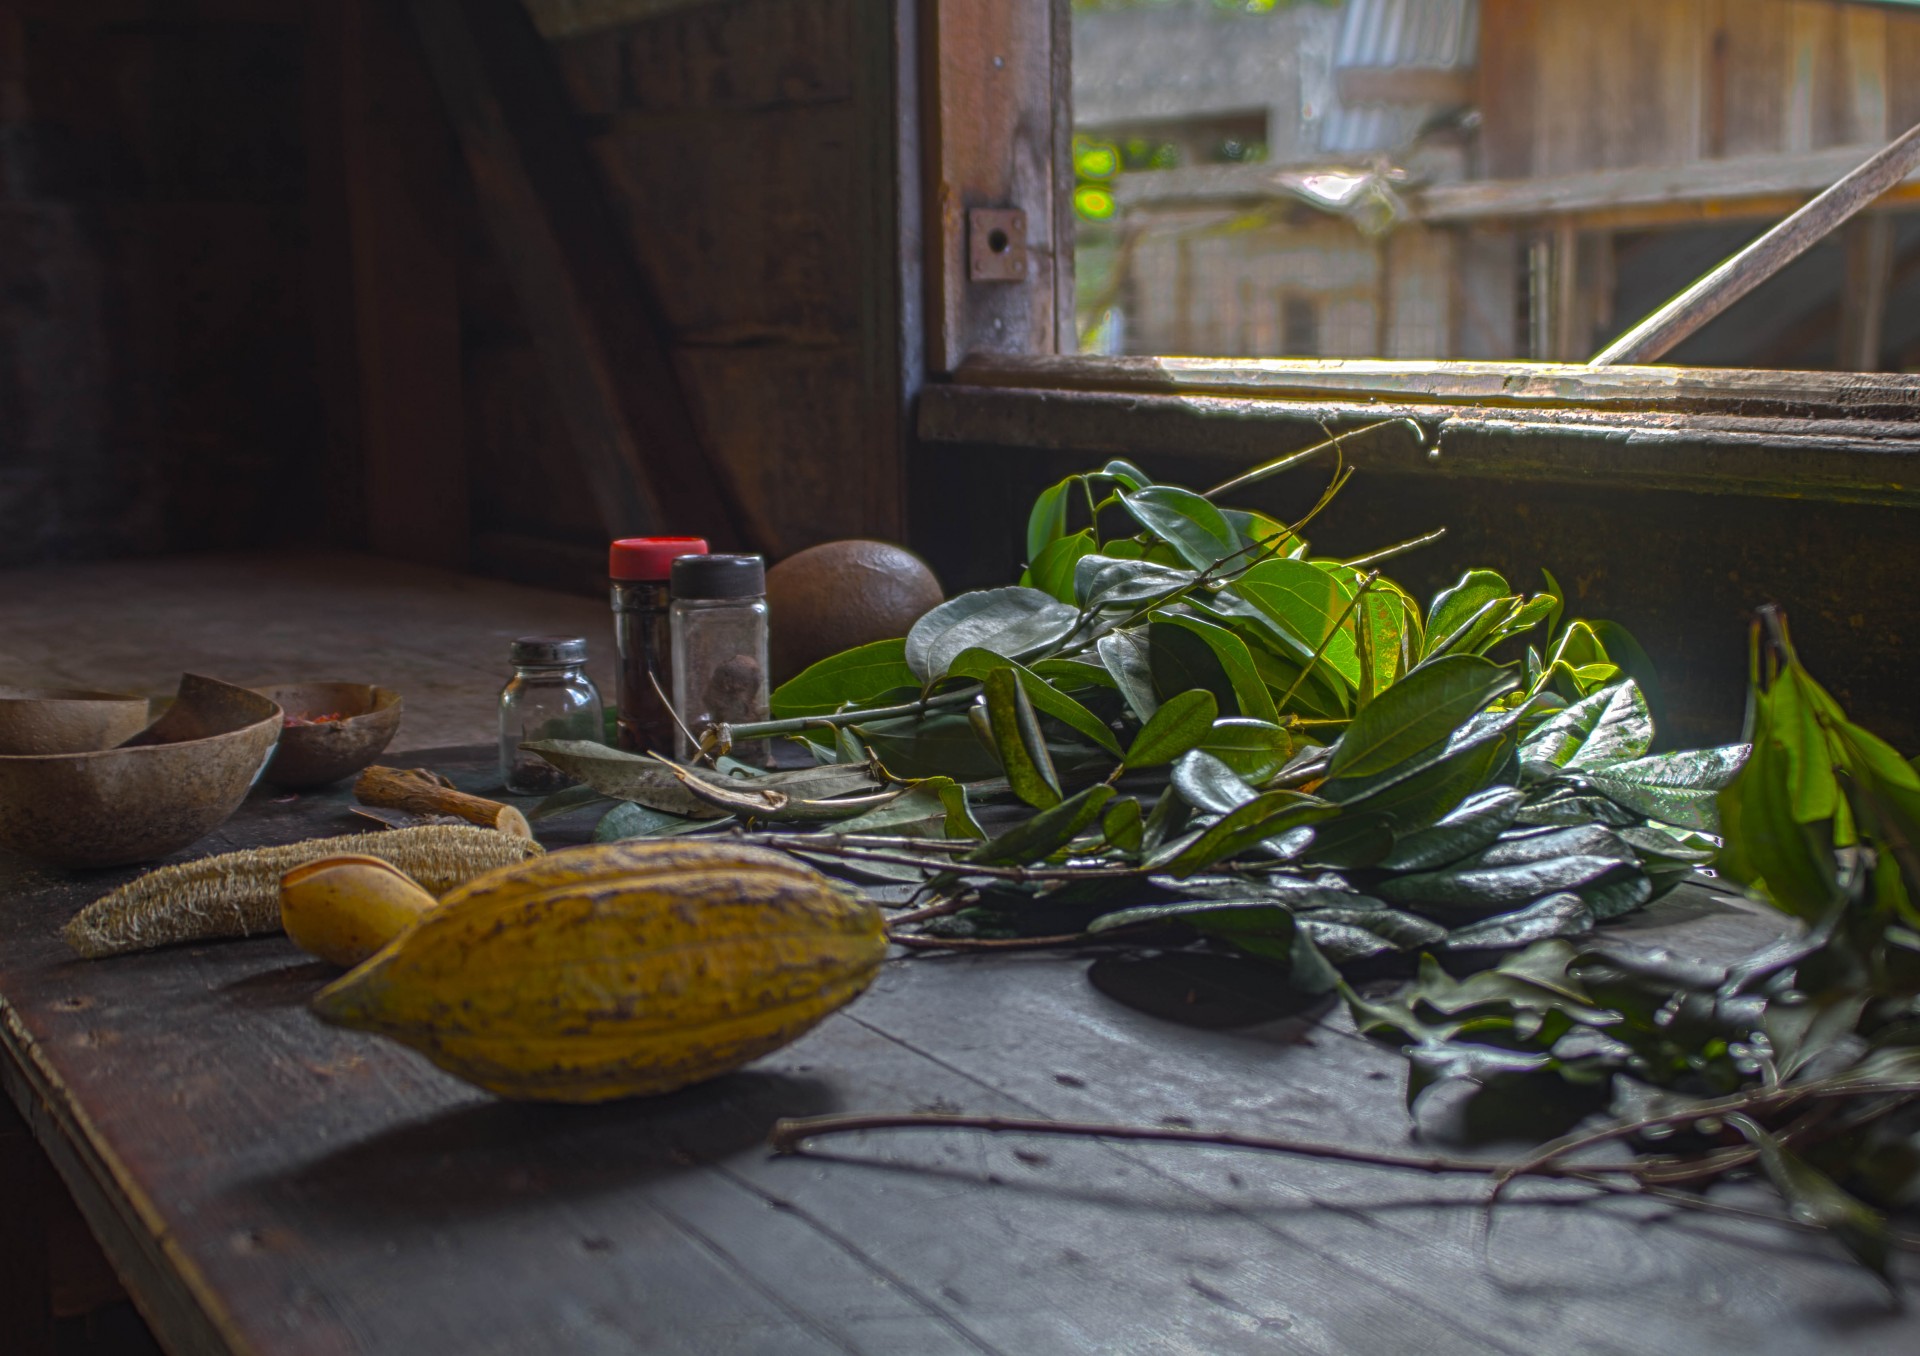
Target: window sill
x=1841 y=437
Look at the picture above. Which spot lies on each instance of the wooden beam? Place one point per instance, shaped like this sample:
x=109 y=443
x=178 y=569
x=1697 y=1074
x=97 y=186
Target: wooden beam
x=1654 y=337
x=594 y=323
x=389 y=325
x=1726 y=183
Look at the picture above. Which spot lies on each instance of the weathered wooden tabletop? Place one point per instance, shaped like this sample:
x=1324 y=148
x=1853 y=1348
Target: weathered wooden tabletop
x=267 y=1184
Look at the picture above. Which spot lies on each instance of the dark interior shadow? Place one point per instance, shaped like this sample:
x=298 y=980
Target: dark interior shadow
x=494 y=1157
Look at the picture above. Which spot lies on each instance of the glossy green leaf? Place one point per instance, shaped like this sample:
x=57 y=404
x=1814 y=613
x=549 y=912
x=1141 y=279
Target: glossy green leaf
x=860 y=677
x=942 y=743
x=1235 y=660
x=1473 y=826
x=1417 y=713
x=629 y=820
x=1483 y=891
x=1208 y=784
x=1071 y=675
x=1475 y=757
x=1048 y=519
x=1022 y=746
x=1052 y=570
x=1271 y=817
x=1614 y=721
x=1123 y=825
x=1180 y=724
x=920 y=813
x=1558 y=915
x=1188 y=523
x=1383 y=625
x=1257 y=529
x=1254 y=749
x=1453 y=608
x=1354 y=841
x=1184 y=662
x=1112 y=581
x=1129 y=662
x=1675 y=788
x=1045 y=698
x=1046 y=833
x=1014 y=622
x=1305 y=604
x=623 y=776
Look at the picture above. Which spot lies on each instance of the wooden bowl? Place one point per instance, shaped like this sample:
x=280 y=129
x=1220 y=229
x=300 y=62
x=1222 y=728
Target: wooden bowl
x=63 y=720
x=316 y=755
x=152 y=794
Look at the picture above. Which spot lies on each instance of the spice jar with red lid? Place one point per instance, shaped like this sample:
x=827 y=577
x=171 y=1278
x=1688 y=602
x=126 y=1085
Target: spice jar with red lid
x=641 y=568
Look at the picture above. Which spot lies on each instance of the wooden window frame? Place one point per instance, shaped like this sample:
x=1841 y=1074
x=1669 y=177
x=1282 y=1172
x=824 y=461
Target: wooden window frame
x=996 y=133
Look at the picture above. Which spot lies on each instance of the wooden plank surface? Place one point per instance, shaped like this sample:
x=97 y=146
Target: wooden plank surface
x=271 y=1185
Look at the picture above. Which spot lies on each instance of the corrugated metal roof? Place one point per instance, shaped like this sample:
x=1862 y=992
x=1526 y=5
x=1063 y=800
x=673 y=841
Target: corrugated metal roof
x=1443 y=34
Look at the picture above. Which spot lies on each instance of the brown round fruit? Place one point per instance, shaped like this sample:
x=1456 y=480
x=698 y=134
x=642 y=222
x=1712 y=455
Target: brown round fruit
x=835 y=596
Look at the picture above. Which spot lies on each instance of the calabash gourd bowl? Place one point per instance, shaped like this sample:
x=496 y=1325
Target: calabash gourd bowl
x=147 y=796
x=316 y=755
x=64 y=720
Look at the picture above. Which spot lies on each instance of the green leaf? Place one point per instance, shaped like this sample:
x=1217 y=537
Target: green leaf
x=1070 y=675
x=1482 y=891
x=1179 y=725
x=1814 y=1198
x=1794 y=722
x=1112 y=581
x=1674 y=788
x=1352 y=842
x=941 y=743
x=1304 y=603
x=1254 y=749
x=623 y=776
x=1473 y=826
x=1048 y=520
x=1257 y=529
x=1126 y=474
x=1559 y=596
x=628 y=820
x=1207 y=783
x=1022 y=746
x=1052 y=570
x=1612 y=725
x=856 y=678
x=1124 y=826
x=565 y=803
x=1234 y=659
x=1014 y=622
x=920 y=813
x=1184 y=520
x=1767 y=847
x=1184 y=662
x=1044 y=834
x=1270 y=818
x=1045 y=698
x=1129 y=662
x=1417 y=713
x=1383 y=625
x=1558 y=915
x=1454 y=607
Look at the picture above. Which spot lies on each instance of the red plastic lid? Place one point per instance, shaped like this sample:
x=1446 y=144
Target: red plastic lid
x=650 y=558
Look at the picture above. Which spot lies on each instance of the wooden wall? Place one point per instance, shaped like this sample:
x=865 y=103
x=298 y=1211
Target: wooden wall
x=1569 y=85
x=157 y=356
x=250 y=296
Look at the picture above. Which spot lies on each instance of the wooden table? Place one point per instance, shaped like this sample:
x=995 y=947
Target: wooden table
x=267 y=1184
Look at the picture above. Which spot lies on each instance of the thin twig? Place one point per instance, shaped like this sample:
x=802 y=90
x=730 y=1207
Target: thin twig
x=1386 y=553
x=920 y=941
x=1274 y=468
x=788 y=1136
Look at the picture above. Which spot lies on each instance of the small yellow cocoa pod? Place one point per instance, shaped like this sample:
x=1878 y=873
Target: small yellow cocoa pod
x=344 y=909
x=617 y=971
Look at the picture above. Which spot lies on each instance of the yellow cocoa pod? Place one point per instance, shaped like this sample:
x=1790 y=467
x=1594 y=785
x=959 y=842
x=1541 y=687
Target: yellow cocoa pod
x=344 y=909
x=617 y=971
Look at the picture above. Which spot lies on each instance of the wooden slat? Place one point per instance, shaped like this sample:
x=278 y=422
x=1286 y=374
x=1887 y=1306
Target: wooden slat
x=594 y=326
x=995 y=127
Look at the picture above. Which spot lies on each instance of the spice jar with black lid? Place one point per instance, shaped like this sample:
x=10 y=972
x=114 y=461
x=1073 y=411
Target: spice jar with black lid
x=640 y=569
x=720 y=648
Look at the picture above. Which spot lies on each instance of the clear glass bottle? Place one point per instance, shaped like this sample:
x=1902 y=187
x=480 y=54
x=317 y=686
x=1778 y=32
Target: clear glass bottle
x=639 y=569
x=719 y=626
x=548 y=697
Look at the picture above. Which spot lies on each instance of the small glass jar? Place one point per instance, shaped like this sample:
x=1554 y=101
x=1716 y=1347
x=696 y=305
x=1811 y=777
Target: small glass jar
x=640 y=568
x=720 y=649
x=548 y=697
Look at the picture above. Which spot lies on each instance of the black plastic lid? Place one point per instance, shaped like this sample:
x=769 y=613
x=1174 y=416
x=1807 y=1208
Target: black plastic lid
x=703 y=577
x=539 y=650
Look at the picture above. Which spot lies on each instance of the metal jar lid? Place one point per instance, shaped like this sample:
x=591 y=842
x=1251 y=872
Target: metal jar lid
x=708 y=577
x=535 y=651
